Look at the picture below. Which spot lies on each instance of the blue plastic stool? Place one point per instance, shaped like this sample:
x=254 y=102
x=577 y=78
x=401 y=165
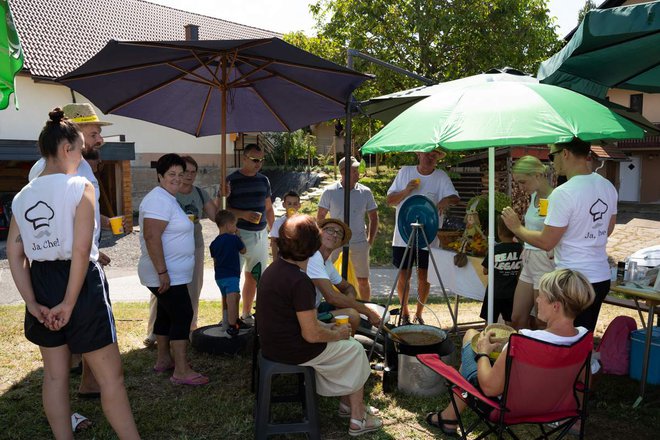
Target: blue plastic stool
x=306 y=396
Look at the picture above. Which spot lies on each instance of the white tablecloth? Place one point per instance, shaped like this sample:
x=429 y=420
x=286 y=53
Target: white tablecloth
x=467 y=281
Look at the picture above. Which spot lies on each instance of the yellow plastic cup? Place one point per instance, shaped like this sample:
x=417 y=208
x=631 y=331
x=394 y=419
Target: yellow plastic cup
x=191 y=217
x=258 y=219
x=341 y=319
x=543 y=207
x=416 y=181
x=290 y=212
x=116 y=225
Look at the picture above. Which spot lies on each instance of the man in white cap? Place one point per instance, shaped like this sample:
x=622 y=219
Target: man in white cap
x=423 y=179
x=90 y=125
x=362 y=204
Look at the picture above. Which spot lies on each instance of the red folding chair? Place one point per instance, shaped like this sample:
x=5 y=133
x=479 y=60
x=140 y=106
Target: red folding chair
x=545 y=384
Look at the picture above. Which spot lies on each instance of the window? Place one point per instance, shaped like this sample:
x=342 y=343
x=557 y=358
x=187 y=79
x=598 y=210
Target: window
x=637 y=102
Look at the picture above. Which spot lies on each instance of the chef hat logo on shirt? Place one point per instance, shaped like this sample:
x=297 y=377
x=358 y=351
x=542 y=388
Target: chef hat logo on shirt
x=598 y=209
x=40 y=215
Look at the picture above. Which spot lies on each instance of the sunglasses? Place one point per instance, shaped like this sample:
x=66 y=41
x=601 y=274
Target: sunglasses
x=551 y=156
x=255 y=159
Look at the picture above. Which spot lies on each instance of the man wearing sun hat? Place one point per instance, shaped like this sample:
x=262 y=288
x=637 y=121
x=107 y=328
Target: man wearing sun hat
x=90 y=125
x=362 y=204
x=423 y=179
x=581 y=216
x=335 y=234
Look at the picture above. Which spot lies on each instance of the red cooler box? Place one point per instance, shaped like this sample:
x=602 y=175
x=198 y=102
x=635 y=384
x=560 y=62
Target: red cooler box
x=638 y=341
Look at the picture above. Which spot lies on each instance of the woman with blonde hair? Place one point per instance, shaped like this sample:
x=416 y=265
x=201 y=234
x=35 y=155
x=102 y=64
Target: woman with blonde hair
x=564 y=295
x=532 y=177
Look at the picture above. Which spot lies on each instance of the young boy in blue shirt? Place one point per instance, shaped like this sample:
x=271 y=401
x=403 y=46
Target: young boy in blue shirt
x=225 y=250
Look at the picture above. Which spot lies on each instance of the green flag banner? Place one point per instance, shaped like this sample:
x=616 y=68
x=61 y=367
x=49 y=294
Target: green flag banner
x=11 y=55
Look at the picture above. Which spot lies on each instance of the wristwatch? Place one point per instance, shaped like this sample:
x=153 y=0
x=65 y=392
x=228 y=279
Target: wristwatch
x=479 y=355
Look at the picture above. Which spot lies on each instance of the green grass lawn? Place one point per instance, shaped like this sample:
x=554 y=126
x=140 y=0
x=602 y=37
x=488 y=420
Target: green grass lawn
x=223 y=409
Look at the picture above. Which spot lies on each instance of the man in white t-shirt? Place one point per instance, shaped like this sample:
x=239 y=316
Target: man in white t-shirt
x=581 y=216
x=422 y=179
x=362 y=204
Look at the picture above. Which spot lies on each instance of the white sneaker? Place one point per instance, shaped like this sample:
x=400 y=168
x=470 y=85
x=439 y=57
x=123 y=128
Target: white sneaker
x=248 y=319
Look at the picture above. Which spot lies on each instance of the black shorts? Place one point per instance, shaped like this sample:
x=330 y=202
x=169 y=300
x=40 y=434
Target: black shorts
x=589 y=316
x=502 y=307
x=397 y=257
x=174 y=312
x=91 y=326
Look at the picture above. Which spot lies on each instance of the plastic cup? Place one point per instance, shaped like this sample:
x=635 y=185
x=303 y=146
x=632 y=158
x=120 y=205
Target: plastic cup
x=290 y=212
x=416 y=181
x=191 y=217
x=258 y=219
x=341 y=320
x=543 y=207
x=116 y=225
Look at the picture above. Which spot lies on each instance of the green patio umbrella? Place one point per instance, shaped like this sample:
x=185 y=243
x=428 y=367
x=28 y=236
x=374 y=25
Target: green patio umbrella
x=499 y=114
x=612 y=48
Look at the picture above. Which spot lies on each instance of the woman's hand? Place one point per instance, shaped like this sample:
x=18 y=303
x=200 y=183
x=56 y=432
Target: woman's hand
x=511 y=219
x=38 y=311
x=484 y=344
x=344 y=331
x=164 y=280
x=59 y=316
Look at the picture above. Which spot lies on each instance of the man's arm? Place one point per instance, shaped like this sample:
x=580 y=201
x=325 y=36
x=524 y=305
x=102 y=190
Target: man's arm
x=448 y=201
x=372 y=229
x=321 y=214
x=345 y=299
x=545 y=239
x=314 y=332
x=270 y=213
x=394 y=198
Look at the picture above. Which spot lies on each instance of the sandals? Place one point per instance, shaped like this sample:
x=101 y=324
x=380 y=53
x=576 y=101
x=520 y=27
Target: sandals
x=79 y=422
x=440 y=424
x=367 y=424
x=195 y=380
x=345 y=410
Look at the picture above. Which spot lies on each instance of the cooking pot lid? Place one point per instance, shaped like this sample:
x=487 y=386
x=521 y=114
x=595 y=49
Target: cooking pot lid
x=418 y=209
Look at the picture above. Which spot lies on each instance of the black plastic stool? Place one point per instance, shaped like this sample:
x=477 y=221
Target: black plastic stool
x=306 y=396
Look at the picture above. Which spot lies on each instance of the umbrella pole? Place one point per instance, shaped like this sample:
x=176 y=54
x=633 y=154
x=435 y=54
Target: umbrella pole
x=223 y=134
x=491 y=233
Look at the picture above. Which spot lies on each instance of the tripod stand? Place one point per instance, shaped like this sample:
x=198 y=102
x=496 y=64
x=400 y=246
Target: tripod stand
x=413 y=242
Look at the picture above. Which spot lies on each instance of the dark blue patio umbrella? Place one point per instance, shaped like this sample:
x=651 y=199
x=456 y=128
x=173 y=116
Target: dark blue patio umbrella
x=215 y=87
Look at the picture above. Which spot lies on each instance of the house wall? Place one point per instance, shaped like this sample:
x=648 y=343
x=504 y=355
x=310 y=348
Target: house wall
x=649 y=190
x=650 y=105
x=151 y=140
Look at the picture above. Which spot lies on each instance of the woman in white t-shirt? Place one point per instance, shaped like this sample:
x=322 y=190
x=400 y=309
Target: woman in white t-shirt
x=166 y=267
x=563 y=295
x=64 y=288
x=532 y=176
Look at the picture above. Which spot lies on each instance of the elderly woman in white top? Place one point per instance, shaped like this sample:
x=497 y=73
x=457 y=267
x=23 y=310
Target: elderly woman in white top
x=166 y=267
x=58 y=275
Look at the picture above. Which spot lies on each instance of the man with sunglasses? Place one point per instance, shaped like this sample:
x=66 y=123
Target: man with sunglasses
x=249 y=200
x=581 y=215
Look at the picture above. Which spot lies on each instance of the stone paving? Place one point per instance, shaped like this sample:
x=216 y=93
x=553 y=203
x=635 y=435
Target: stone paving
x=631 y=237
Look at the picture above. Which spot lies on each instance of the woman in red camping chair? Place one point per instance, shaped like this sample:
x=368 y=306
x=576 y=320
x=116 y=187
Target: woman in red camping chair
x=563 y=294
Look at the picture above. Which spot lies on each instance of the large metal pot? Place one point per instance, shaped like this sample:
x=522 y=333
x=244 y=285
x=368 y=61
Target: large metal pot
x=413 y=377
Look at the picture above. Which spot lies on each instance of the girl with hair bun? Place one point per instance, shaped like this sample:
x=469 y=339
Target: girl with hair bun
x=531 y=175
x=58 y=275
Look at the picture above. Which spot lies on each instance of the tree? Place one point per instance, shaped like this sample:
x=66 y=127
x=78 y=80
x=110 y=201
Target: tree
x=289 y=147
x=588 y=6
x=440 y=39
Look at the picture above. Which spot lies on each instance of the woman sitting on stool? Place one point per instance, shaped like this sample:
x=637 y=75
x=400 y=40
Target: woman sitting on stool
x=291 y=334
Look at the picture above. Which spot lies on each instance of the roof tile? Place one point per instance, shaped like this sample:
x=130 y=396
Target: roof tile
x=58 y=36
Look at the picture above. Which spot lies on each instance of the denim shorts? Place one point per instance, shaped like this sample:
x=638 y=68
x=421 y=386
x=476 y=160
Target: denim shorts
x=229 y=285
x=468 y=364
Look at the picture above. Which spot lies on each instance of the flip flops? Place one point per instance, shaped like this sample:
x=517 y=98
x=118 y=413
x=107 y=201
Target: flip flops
x=196 y=380
x=79 y=422
x=345 y=410
x=367 y=424
x=440 y=424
